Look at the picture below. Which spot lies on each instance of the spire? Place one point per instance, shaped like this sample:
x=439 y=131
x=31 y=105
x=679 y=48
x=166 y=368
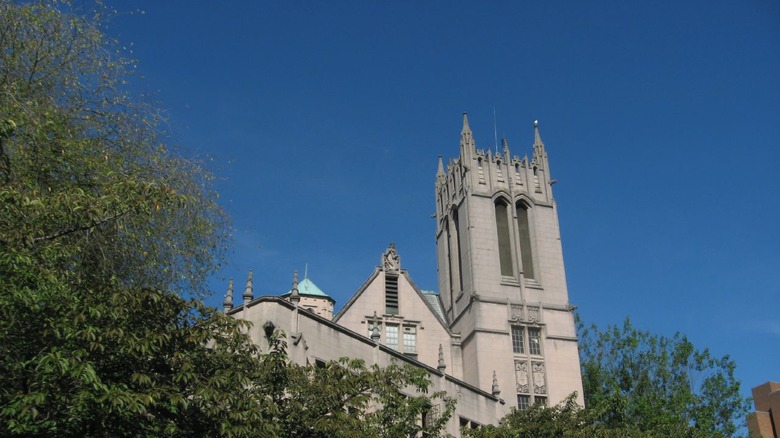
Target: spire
x=467 y=145
x=441 y=365
x=466 y=129
x=248 y=291
x=440 y=172
x=495 y=389
x=537 y=136
x=540 y=156
x=228 y=303
x=295 y=296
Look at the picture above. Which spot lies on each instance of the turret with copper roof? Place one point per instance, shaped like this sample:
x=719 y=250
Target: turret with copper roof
x=310 y=297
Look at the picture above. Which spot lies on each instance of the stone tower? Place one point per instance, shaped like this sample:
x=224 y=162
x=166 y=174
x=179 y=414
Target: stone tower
x=501 y=276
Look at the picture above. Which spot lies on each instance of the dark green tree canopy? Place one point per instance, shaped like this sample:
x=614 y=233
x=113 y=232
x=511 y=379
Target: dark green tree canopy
x=86 y=167
x=642 y=385
x=103 y=231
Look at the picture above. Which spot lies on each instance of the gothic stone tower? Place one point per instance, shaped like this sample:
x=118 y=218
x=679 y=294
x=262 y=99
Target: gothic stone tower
x=501 y=276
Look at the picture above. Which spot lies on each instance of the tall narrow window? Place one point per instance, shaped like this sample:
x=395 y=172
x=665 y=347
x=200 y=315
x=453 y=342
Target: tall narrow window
x=523 y=227
x=504 y=246
x=535 y=341
x=410 y=339
x=391 y=295
x=458 y=255
x=391 y=336
x=449 y=259
x=517 y=340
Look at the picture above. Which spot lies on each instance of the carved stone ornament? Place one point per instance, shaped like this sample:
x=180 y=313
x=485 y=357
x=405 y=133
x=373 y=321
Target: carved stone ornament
x=517 y=312
x=537 y=369
x=533 y=314
x=521 y=375
x=391 y=261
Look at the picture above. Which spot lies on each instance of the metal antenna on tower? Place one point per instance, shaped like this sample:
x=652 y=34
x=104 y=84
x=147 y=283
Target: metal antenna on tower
x=495 y=129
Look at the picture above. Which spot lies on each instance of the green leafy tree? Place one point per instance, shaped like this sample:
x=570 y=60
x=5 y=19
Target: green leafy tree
x=87 y=181
x=638 y=384
x=661 y=384
x=103 y=231
x=567 y=419
x=347 y=398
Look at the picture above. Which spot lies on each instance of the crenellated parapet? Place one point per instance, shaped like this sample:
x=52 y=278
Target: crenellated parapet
x=484 y=172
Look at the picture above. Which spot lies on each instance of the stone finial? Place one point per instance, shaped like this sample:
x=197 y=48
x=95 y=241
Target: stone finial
x=540 y=155
x=227 y=304
x=441 y=365
x=495 y=389
x=248 y=295
x=391 y=261
x=295 y=296
x=537 y=136
x=466 y=128
x=467 y=144
x=440 y=172
x=375 y=335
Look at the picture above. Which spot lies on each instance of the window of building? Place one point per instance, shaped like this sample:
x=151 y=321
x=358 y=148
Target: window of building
x=410 y=339
x=517 y=340
x=540 y=400
x=465 y=423
x=391 y=336
x=458 y=255
x=504 y=244
x=431 y=416
x=449 y=259
x=391 y=294
x=524 y=229
x=535 y=341
x=523 y=402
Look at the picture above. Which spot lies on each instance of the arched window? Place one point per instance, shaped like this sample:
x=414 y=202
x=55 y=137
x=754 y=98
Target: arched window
x=449 y=260
x=458 y=253
x=504 y=245
x=524 y=230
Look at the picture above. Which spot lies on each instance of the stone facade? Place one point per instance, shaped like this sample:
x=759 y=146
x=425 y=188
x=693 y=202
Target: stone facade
x=501 y=276
x=500 y=332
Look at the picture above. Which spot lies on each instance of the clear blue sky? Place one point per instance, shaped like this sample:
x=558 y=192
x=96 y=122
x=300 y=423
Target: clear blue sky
x=662 y=122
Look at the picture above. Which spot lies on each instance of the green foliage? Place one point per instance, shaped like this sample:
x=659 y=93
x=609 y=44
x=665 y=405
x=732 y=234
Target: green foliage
x=656 y=383
x=102 y=231
x=347 y=398
x=638 y=385
x=567 y=419
x=87 y=183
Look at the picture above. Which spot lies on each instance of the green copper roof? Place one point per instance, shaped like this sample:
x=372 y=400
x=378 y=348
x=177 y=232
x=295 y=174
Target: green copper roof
x=307 y=287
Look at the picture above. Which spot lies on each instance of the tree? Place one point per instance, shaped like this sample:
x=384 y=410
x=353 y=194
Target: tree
x=346 y=398
x=97 y=219
x=567 y=419
x=85 y=166
x=103 y=232
x=657 y=383
x=640 y=385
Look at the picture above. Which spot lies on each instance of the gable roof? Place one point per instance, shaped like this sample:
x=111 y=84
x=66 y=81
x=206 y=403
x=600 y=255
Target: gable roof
x=430 y=298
